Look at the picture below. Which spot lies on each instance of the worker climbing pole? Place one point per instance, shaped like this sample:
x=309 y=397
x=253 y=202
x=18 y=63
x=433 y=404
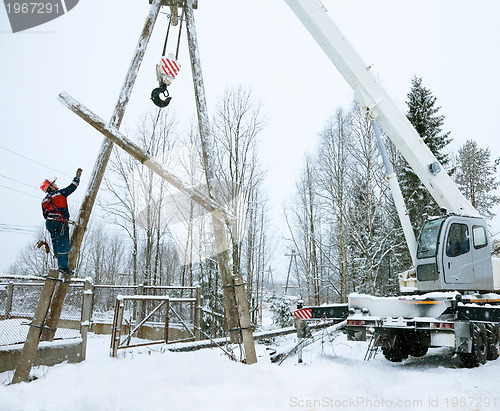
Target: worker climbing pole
x=45 y=323
x=169 y=66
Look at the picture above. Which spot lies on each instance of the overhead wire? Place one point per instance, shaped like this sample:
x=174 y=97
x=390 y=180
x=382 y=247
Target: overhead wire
x=25 y=184
x=19 y=191
x=17 y=181
x=34 y=161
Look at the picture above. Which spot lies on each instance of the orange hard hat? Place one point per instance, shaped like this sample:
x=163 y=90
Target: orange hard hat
x=46 y=184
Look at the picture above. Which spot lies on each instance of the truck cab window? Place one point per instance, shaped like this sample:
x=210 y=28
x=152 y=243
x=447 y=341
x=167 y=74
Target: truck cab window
x=428 y=239
x=458 y=240
x=479 y=237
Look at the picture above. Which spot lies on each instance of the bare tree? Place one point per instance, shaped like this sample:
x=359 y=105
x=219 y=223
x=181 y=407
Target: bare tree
x=306 y=233
x=237 y=124
x=136 y=197
x=36 y=258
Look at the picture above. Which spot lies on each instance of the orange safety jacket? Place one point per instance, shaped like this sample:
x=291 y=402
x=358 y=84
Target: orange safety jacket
x=55 y=203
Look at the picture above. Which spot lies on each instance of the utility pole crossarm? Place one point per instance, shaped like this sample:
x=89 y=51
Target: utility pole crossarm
x=139 y=154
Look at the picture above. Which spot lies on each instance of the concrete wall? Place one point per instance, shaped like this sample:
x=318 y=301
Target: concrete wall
x=48 y=353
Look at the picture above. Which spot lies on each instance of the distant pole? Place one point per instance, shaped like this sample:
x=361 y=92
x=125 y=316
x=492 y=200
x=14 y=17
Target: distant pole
x=292 y=256
x=235 y=301
x=99 y=169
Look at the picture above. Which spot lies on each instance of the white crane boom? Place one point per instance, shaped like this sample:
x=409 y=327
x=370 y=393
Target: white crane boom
x=378 y=105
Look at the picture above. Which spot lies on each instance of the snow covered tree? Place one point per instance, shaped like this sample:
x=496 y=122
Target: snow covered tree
x=423 y=114
x=282 y=311
x=334 y=160
x=476 y=177
x=370 y=234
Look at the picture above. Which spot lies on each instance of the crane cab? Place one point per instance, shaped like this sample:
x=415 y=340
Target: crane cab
x=454 y=253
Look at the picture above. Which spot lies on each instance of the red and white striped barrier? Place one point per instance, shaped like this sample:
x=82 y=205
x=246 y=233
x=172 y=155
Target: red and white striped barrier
x=303 y=313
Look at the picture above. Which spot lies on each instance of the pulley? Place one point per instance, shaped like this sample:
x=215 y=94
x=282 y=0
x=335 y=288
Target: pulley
x=168 y=68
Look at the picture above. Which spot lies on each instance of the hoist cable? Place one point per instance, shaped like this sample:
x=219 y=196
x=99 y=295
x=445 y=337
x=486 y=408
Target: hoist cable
x=179 y=37
x=166 y=37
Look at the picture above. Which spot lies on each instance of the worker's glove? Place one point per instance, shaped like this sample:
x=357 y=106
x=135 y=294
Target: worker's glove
x=79 y=172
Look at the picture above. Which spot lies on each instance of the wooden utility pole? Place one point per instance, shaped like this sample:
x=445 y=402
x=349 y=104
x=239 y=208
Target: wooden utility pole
x=233 y=288
x=48 y=324
x=30 y=347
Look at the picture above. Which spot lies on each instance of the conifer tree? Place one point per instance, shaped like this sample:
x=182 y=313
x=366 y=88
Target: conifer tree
x=476 y=177
x=423 y=114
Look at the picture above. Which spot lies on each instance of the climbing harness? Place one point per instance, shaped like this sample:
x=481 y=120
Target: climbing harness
x=168 y=69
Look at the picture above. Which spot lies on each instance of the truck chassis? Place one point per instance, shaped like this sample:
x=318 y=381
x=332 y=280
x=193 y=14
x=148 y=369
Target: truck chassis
x=410 y=325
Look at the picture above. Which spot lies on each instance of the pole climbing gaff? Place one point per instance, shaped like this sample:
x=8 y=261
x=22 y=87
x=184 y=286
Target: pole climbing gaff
x=168 y=68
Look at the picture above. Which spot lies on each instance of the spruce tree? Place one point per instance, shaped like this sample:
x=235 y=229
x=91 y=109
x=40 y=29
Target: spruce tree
x=476 y=177
x=423 y=114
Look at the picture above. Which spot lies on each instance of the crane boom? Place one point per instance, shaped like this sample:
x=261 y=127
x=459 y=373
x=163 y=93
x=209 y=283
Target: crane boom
x=379 y=105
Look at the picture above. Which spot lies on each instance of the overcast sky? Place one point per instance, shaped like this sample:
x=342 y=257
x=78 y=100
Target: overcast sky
x=452 y=44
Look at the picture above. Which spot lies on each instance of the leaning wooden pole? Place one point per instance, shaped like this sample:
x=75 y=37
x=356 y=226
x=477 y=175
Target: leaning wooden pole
x=143 y=157
x=98 y=172
x=235 y=301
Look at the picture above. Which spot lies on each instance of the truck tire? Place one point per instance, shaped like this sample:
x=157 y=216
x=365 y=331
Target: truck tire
x=479 y=348
x=414 y=345
x=493 y=336
x=397 y=352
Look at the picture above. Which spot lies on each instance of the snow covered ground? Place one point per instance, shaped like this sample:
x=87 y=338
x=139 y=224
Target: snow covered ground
x=333 y=376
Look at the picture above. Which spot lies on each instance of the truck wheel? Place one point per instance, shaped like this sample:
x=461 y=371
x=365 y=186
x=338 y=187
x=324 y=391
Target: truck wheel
x=416 y=349
x=397 y=352
x=493 y=337
x=479 y=348
x=414 y=345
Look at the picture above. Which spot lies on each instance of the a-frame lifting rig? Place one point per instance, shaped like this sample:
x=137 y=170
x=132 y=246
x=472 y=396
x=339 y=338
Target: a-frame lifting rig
x=50 y=305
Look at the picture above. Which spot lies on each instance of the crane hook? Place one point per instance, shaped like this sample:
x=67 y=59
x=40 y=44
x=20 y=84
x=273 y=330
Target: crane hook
x=155 y=96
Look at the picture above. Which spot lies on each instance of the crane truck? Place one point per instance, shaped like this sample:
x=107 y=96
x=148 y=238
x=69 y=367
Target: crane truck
x=456 y=282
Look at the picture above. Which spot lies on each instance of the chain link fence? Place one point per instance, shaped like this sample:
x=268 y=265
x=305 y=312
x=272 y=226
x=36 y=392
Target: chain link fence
x=19 y=297
x=18 y=302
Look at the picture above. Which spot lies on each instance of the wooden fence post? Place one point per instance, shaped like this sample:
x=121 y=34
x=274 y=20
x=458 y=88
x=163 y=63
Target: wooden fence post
x=88 y=296
x=167 y=320
x=139 y=309
x=10 y=296
x=197 y=314
x=117 y=326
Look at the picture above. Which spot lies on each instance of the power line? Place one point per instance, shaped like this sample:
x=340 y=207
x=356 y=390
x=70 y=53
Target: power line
x=34 y=161
x=20 y=229
x=17 y=181
x=19 y=191
x=18 y=225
